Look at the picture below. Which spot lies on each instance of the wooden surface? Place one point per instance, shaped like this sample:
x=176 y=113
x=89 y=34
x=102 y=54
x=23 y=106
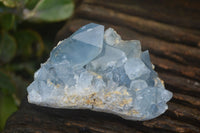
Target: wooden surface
x=171 y=32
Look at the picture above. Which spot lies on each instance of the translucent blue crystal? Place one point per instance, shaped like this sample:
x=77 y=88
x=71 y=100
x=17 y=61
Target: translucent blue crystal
x=83 y=46
x=97 y=70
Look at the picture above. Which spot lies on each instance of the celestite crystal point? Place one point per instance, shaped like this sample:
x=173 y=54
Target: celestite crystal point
x=99 y=71
x=83 y=46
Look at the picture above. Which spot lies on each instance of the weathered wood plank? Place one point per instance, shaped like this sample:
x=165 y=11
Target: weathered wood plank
x=174 y=126
x=161 y=30
x=186 y=100
x=184 y=13
x=180 y=84
x=173 y=67
x=184 y=114
x=51 y=120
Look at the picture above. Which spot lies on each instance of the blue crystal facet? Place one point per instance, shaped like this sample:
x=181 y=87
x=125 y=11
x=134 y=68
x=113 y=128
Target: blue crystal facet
x=83 y=46
x=97 y=70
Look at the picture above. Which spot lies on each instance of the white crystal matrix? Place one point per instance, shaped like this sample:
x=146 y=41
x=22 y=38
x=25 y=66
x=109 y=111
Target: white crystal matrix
x=97 y=70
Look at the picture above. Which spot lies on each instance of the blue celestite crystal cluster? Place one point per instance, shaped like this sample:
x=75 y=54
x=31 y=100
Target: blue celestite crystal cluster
x=97 y=70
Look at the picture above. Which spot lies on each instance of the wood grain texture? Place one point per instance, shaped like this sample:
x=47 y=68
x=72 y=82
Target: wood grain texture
x=170 y=30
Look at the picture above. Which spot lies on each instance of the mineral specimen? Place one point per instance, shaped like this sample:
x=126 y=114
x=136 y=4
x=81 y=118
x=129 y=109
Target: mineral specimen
x=98 y=70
